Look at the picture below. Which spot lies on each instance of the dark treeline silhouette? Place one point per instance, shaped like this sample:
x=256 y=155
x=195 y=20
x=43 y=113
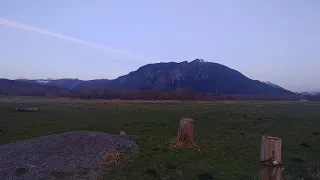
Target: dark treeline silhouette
x=143 y=94
x=312 y=97
x=18 y=88
x=179 y=94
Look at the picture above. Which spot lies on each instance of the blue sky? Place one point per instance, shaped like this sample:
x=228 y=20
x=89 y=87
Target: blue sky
x=269 y=40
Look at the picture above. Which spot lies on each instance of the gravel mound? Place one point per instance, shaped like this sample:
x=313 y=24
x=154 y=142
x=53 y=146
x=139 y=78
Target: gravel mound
x=71 y=155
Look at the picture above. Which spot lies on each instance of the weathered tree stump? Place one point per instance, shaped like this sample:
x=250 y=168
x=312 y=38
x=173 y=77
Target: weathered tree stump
x=184 y=137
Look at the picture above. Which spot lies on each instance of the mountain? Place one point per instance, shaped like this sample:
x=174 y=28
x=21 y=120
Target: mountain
x=200 y=76
x=72 y=84
x=309 y=93
x=21 y=88
x=66 y=83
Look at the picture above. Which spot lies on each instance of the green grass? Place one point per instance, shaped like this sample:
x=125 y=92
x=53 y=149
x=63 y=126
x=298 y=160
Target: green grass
x=228 y=134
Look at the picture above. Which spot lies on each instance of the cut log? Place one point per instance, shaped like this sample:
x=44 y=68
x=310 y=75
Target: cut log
x=184 y=137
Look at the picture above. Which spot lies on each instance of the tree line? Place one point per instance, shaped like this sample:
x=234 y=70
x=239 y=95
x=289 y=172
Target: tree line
x=179 y=94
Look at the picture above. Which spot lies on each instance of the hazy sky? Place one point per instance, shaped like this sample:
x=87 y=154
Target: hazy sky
x=269 y=40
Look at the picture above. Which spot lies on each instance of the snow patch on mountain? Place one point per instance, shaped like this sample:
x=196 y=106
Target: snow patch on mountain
x=43 y=81
x=271 y=84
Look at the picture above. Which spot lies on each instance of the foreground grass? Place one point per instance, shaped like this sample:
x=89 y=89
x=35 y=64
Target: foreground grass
x=228 y=133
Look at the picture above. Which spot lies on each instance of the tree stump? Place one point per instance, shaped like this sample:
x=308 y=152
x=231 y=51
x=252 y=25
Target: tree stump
x=184 y=137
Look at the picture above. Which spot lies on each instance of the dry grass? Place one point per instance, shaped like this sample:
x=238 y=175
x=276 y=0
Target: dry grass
x=122 y=133
x=110 y=158
x=178 y=144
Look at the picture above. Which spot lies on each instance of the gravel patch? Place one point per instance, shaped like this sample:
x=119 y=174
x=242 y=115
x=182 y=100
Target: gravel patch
x=70 y=155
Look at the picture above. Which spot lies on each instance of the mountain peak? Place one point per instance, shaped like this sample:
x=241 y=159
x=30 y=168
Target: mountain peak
x=198 y=61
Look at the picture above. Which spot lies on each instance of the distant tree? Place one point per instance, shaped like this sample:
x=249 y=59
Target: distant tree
x=185 y=94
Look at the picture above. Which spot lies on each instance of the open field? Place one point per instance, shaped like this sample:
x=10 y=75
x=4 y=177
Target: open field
x=228 y=133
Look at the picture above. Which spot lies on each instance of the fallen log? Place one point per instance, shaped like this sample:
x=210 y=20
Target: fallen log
x=23 y=109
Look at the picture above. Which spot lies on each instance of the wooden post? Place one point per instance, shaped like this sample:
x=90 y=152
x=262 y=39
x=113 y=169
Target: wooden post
x=184 y=137
x=270 y=158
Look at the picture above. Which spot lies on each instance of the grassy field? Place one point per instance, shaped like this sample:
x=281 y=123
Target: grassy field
x=228 y=134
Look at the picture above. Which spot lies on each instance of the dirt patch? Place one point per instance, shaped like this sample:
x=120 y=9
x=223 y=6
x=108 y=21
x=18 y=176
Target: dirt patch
x=171 y=166
x=297 y=160
x=64 y=155
x=152 y=172
x=316 y=133
x=305 y=145
x=21 y=171
x=110 y=157
x=206 y=176
x=60 y=174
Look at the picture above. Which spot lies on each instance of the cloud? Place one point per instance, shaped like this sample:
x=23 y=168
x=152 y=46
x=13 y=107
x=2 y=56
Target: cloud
x=17 y=25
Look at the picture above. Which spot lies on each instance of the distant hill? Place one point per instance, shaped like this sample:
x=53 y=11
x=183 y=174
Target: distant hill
x=72 y=84
x=311 y=93
x=62 y=83
x=198 y=75
x=20 y=88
